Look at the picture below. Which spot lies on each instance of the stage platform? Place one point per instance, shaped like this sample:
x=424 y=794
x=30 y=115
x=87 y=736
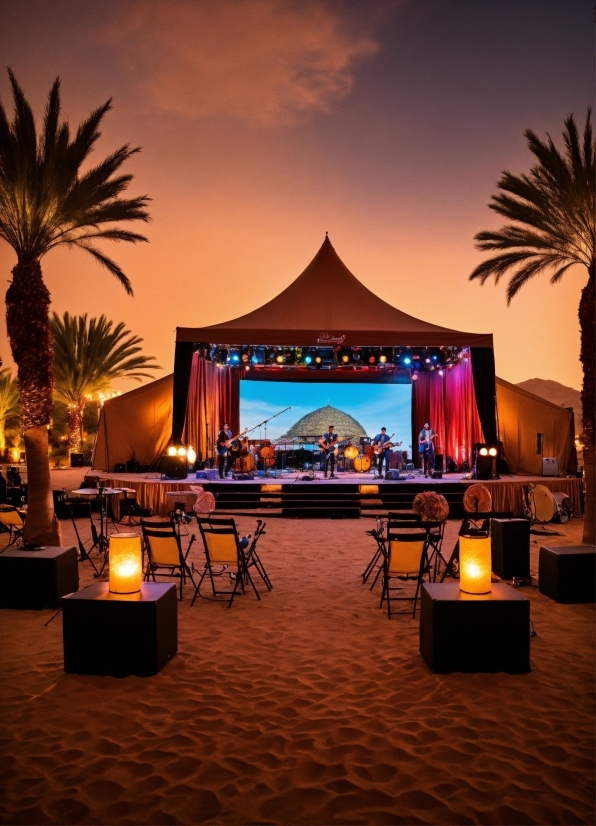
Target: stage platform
x=350 y=495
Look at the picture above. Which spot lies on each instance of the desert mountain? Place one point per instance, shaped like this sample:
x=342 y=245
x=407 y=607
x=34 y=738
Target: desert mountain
x=556 y=393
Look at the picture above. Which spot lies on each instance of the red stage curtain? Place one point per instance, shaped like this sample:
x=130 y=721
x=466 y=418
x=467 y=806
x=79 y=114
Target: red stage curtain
x=213 y=398
x=448 y=402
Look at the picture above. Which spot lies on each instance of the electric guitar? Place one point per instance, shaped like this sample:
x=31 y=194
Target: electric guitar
x=423 y=444
x=229 y=443
x=333 y=447
x=381 y=448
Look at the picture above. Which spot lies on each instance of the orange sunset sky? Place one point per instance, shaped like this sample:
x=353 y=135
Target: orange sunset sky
x=264 y=123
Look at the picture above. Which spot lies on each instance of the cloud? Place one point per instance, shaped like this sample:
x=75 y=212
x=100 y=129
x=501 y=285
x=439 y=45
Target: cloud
x=268 y=62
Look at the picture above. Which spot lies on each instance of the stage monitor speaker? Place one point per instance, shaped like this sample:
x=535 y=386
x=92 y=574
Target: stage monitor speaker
x=392 y=475
x=174 y=467
x=484 y=467
x=134 y=467
x=439 y=461
x=280 y=460
x=510 y=547
x=120 y=468
x=550 y=467
x=77 y=460
x=436 y=474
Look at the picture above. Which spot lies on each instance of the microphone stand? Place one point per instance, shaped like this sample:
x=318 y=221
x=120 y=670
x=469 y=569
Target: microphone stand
x=264 y=423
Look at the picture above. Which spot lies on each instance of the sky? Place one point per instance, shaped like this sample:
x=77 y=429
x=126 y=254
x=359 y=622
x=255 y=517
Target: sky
x=373 y=405
x=265 y=123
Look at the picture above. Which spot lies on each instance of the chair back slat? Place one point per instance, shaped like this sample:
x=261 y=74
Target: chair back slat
x=163 y=547
x=405 y=553
x=221 y=546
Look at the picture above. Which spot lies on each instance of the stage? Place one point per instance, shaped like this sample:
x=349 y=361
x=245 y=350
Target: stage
x=296 y=494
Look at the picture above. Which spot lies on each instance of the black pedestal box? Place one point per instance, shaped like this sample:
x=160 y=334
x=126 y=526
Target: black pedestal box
x=120 y=634
x=510 y=547
x=464 y=632
x=37 y=579
x=568 y=573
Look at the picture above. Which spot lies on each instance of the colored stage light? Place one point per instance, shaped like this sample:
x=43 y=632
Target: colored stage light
x=382 y=359
x=318 y=360
x=234 y=357
x=280 y=358
x=492 y=451
x=427 y=361
x=483 y=451
x=407 y=360
x=308 y=359
x=172 y=451
x=181 y=451
x=414 y=376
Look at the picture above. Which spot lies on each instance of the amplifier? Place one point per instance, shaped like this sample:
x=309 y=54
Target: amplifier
x=550 y=467
x=173 y=467
x=392 y=475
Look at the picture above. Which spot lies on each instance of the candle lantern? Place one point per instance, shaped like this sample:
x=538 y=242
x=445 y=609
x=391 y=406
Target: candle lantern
x=475 y=563
x=126 y=563
x=191 y=455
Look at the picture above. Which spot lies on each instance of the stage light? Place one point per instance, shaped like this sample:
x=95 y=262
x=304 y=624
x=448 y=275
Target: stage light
x=414 y=376
x=222 y=355
x=483 y=451
x=126 y=563
x=475 y=563
x=246 y=355
x=172 y=451
x=492 y=451
x=280 y=358
x=407 y=360
x=191 y=455
x=213 y=352
x=308 y=359
x=434 y=358
x=234 y=357
x=427 y=361
x=181 y=451
x=382 y=359
x=440 y=372
x=356 y=356
x=486 y=460
x=318 y=359
x=372 y=359
x=270 y=355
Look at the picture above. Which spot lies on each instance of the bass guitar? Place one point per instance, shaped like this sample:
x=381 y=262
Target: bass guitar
x=332 y=447
x=381 y=448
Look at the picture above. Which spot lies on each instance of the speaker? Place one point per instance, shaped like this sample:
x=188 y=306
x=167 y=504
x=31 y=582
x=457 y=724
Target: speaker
x=174 y=467
x=510 y=547
x=134 y=467
x=484 y=467
x=436 y=474
x=439 y=462
x=77 y=460
x=550 y=467
x=120 y=468
x=392 y=475
x=280 y=460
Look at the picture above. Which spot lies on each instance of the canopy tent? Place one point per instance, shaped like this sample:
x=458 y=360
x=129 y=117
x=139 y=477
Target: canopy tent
x=348 y=314
x=138 y=424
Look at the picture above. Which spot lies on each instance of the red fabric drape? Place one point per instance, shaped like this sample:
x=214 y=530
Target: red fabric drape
x=213 y=398
x=448 y=402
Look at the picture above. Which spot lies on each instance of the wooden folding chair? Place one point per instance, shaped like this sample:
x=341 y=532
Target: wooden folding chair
x=223 y=554
x=406 y=557
x=12 y=521
x=165 y=556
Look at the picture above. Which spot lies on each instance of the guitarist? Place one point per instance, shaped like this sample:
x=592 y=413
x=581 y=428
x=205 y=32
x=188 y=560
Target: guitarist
x=379 y=442
x=328 y=445
x=426 y=448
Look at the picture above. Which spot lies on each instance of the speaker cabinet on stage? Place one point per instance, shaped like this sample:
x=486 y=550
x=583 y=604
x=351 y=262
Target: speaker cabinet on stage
x=77 y=460
x=174 y=467
x=550 y=467
x=120 y=468
x=439 y=463
x=436 y=474
x=392 y=475
x=510 y=547
x=280 y=460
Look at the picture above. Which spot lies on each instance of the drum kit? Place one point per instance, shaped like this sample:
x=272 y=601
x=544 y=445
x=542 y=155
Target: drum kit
x=543 y=505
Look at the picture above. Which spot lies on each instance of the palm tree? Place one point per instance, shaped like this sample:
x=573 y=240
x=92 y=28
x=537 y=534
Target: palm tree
x=553 y=229
x=9 y=402
x=46 y=200
x=87 y=359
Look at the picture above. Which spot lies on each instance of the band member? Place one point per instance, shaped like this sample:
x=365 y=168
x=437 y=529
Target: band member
x=229 y=433
x=381 y=439
x=327 y=443
x=223 y=458
x=426 y=448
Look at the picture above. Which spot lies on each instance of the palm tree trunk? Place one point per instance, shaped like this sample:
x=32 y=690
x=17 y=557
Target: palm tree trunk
x=75 y=427
x=27 y=322
x=2 y=434
x=587 y=320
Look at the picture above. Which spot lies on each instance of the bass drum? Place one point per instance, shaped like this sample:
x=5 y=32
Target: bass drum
x=545 y=505
x=564 y=506
x=351 y=452
x=362 y=463
x=369 y=452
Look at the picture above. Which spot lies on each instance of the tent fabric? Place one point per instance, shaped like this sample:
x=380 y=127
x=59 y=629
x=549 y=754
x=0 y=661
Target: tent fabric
x=522 y=415
x=326 y=304
x=135 y=425
x=183 y=361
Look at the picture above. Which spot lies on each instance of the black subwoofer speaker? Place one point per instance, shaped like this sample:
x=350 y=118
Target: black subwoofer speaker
x=77 y=460
x=439 y=462
x=174 y=467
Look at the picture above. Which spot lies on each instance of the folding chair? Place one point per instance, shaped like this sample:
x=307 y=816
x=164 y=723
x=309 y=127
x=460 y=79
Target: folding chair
x=410 y=523
x=222 y=548
x=165 y=555
x=406 y=556
x=403 y=516
x=435 y=532
x=12 y=521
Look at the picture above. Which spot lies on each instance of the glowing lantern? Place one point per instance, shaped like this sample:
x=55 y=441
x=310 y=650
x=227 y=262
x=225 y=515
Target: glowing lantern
x=126 y=563
x=475 y=564
x=172 y=451
x=191 y=455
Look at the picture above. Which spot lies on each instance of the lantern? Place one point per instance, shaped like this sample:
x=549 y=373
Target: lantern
x=191 y=455
x=475 y=563
x=126 y=563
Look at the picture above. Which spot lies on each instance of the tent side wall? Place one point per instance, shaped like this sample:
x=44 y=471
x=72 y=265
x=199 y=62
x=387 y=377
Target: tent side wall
x=136 y=425
x=521 y=417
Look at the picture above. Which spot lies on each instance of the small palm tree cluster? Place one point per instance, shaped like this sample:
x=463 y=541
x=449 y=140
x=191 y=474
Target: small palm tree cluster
x=88 y=357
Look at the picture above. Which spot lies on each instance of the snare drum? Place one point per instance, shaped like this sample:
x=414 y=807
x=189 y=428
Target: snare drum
x=545 y=505
x=362 y=463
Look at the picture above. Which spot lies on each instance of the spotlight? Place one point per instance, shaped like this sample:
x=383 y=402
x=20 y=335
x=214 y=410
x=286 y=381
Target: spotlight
x=427 y=361
x=258 y=356
x=483 y=451
x=234 y=357
x=487 y=459
x=356 y=355
x=172 y=451
x=280 y=358
x=181 y=451
x=318 y=359
x=492 y=451
x=245 y=355
x=407 y=360
x=308 y=359
x=414 y=376
x=382 y=359
x=440 y=372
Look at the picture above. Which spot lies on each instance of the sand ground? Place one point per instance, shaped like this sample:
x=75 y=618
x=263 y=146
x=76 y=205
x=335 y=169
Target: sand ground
x=309 y=706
